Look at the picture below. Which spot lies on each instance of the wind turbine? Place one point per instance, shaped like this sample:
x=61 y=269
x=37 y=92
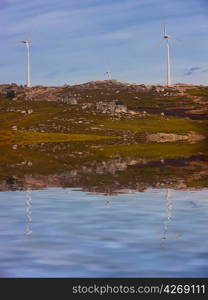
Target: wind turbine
x=27 y=44
x=109 y=75
x=166 y=37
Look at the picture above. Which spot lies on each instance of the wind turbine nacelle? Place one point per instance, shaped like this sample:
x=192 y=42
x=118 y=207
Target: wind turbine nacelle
x=25 y=42
x=166 y=36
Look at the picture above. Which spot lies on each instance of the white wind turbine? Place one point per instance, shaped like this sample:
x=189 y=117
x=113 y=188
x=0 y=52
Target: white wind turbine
x=27 y=44
x=166 y=37
x=108 y=73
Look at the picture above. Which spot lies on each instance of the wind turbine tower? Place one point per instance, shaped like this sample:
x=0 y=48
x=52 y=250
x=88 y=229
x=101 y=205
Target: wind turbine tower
x=166 y=38
x=27 y=44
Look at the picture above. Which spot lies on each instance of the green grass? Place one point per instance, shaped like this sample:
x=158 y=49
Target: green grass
x=164 y=102
x=8 y=119
x=203 y=183
x=203 y=91
x=29 y=137
x=157 y=124
x=156 y=151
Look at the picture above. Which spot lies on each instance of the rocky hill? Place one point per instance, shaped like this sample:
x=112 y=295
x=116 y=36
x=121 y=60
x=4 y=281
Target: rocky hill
x=134 y=112
x=177 y=100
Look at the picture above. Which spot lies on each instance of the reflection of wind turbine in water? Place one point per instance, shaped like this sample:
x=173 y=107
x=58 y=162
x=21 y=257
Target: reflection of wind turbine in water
x=168 y=214
x=168 y=208
x=108 y=200
x=28 y=203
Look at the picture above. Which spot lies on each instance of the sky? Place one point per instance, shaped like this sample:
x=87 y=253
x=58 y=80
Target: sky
x=76 y=41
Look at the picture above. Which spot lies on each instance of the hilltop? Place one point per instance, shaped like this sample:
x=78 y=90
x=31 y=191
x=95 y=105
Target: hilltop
x=179 y=99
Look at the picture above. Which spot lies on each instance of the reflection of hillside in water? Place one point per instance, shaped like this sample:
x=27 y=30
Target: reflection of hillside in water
x=67 y=165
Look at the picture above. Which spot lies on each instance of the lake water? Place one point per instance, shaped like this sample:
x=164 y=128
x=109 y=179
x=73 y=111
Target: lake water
x=66 y=232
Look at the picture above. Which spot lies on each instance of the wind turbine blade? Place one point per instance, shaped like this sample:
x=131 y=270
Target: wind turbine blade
x=173 y=38
x=164 y=29
x=159 y=43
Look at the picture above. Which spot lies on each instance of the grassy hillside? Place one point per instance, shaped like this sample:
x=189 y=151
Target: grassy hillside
x=19 y=115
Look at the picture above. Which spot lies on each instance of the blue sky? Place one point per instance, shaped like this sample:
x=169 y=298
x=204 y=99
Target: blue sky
x=77 y=41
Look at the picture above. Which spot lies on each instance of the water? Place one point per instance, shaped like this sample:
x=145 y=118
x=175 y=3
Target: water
x=59 y=232
x=91 y=210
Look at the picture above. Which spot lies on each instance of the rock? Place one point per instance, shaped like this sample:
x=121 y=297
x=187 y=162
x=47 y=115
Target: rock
x=87 y=105
x=69 y=100
x=161 y=137
x=110 y=107
x=120 y=109
x=132 y=112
